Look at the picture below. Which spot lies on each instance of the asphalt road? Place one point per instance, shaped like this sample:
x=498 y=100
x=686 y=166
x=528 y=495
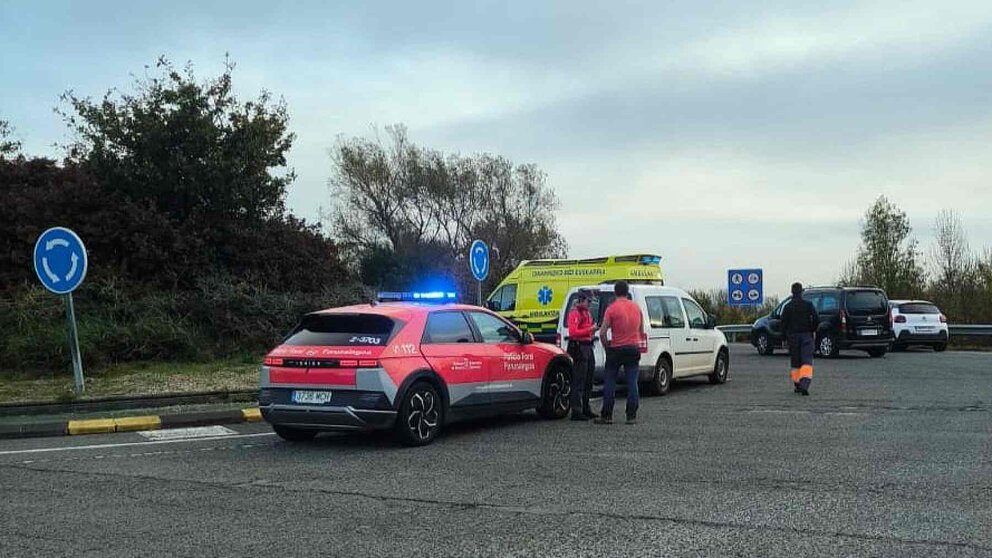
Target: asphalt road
x=887 y=457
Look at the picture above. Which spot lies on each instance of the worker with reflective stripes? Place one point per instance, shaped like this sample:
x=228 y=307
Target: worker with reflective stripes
x=799 y=323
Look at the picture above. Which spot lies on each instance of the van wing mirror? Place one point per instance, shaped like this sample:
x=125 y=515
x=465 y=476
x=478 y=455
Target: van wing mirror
x=710 y=321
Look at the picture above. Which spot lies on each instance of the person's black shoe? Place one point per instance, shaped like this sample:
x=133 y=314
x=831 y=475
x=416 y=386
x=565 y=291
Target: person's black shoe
x=798 y=389
x=579 y=417
x=605 y=419
x=803 y=391
x=589 y=414
x=631 y=420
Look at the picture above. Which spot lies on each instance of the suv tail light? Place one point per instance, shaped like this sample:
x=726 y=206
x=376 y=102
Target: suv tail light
x=900 y=319
x=643 y=345
x=943 y=319
x=272 y=361
x=843 y=320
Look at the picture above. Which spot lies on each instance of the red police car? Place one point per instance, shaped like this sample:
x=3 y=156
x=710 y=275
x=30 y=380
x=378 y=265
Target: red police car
x=408 y=366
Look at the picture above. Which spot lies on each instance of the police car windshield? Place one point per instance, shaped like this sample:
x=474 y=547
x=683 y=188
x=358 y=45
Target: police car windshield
x=338 y=330
x=866 y=302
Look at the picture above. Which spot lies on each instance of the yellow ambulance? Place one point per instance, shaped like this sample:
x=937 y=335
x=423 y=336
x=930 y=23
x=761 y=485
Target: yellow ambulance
x=531 y=296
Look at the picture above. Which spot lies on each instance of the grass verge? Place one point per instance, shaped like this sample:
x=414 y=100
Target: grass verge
x=134 y=378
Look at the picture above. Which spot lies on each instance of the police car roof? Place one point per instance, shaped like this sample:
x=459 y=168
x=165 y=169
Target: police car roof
x=399 y=310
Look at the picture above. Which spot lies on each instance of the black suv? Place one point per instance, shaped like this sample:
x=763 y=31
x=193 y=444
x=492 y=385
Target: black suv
x=850 y=318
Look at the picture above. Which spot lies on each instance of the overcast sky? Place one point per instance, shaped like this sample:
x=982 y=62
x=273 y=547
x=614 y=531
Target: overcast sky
x=716 y=134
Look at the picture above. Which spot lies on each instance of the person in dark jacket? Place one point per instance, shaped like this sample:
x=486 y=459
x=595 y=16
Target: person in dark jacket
x=799 y=323
x=581 y=329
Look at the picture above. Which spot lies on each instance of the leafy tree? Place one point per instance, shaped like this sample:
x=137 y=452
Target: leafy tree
x=8 y=146
x=887 y=258
x=407 y=212
x=190 y=147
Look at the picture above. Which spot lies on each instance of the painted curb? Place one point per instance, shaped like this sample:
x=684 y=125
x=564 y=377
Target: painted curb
x=128 y=424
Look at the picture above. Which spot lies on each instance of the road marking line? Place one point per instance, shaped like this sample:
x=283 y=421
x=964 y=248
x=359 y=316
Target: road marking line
x=129 y=444
x=188 y=433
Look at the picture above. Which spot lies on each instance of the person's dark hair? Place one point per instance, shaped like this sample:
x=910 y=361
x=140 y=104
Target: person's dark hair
x=797 y=289
x=621 y=289
x=583 y=295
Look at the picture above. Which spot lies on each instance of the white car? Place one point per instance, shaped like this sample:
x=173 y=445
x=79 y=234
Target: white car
x=682 y=340
x=918 y=322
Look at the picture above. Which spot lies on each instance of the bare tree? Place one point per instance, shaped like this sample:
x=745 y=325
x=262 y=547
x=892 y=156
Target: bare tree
x=950 y=255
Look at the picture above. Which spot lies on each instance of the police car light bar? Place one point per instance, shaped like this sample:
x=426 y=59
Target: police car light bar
x=431 y=296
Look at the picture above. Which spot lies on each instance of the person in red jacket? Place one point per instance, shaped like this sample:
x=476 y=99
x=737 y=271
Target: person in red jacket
x=581 y=329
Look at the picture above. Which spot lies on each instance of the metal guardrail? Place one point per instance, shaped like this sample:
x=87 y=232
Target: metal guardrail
x=978 y=330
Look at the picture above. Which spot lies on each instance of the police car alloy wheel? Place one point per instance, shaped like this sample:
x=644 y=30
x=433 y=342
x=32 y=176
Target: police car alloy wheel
x=557 y=388
x=420 y=415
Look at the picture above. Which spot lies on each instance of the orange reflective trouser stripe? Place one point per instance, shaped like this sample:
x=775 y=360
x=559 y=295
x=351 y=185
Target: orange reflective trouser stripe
x=795 y=375
x=806 y=371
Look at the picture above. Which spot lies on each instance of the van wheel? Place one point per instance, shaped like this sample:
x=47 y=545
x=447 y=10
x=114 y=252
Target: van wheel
x=721 y=368
x=764 y=344
x=556 y=399
x=661 y=383
x=827 y=346
x=421 y=415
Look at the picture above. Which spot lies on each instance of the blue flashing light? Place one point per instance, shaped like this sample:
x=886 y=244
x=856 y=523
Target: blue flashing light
x=649 y=260
x=437 y=297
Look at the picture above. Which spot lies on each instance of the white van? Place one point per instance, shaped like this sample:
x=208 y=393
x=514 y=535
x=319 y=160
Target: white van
x=682 y=339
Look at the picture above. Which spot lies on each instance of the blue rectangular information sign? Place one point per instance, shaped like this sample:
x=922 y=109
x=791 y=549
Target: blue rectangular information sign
x=745 y=287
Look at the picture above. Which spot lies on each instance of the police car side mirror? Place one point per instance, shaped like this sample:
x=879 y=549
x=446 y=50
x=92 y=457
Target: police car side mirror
x=527 y=338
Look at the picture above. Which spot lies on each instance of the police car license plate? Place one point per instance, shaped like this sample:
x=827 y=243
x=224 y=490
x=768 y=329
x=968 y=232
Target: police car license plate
x=311 y=397
x=869 y=332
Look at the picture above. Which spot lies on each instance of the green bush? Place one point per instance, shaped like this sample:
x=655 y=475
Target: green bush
x=222 y=316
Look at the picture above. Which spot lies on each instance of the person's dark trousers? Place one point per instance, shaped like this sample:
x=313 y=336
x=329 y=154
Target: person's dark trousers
x=583 y=362
x=629 y=359
x=801 y=355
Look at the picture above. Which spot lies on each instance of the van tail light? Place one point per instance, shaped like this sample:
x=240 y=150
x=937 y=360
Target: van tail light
x=558 y=340
x=943 y=319
x=843 y=320
x=272 y=361
x=368 y=364
x=900 y=319
x=643 y=345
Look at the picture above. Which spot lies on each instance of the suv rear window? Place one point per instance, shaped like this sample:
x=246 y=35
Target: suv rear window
x=918 y=308
x=866 y=302
x=343 y=330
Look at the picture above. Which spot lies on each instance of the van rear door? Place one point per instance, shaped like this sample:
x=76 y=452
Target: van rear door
x=867 y=315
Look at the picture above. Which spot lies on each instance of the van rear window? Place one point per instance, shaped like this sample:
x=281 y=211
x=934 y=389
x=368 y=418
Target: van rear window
x=343 y=330
x=866 y=302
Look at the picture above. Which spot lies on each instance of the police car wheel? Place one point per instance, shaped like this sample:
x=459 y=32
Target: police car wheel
x=291 y=434
x=420 y=417
x=661 y=382
x=764 y=344
x=720 y=369
x=556 y=399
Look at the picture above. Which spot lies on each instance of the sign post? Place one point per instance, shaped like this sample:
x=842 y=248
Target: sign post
x=745 y=287
x=60 y=262
x=478 y=261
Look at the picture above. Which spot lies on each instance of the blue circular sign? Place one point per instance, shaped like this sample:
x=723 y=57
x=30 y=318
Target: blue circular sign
x=60 y=260
x=478 y=258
